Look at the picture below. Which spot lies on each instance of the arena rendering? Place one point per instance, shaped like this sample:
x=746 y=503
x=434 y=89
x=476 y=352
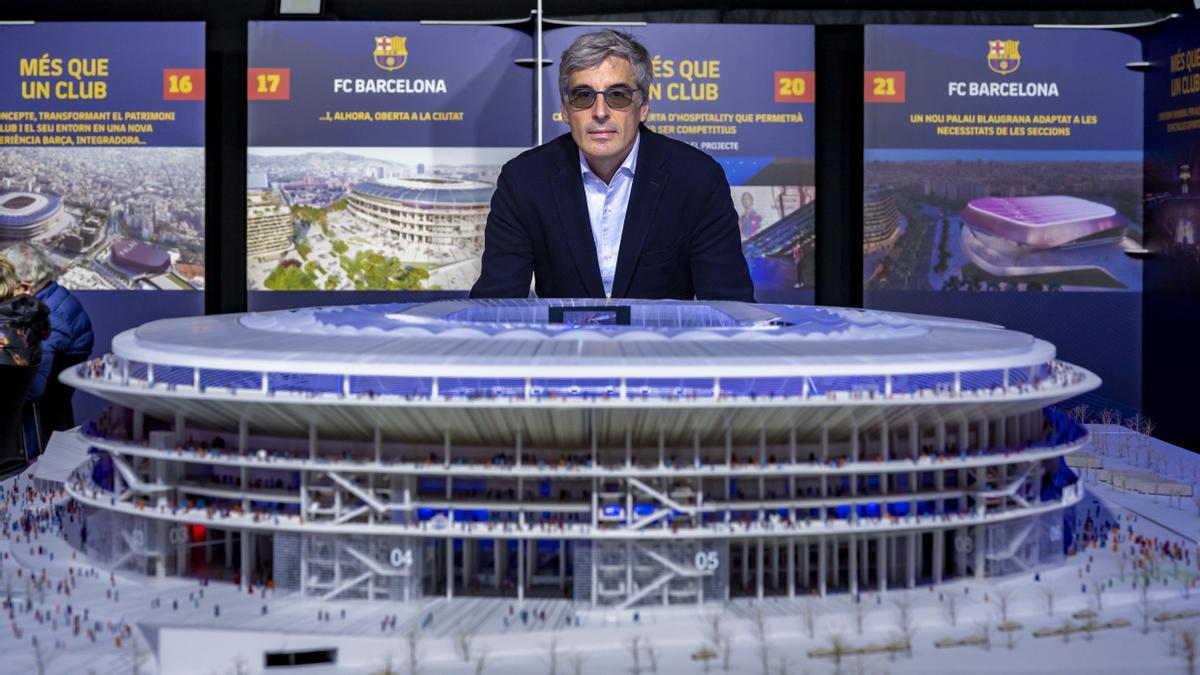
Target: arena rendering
x=620 y=453
x=445 y=213
x=24 y=215
x=1009 y=236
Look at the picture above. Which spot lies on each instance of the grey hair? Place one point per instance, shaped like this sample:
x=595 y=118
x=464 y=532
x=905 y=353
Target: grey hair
x=8 y=280
x=590 y=49
x=30 y=265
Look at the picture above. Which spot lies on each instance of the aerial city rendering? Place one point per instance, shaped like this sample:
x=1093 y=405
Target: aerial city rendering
x=106 y=218
x=375 y=219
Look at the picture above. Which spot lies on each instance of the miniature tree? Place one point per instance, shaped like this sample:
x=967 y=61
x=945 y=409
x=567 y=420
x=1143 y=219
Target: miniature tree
x=759 y=626
x=860 y=612
x=480 y=661
x=1048 y=597
x=1142 y=605
x=651 y=655
x=634 y=647
x=950 y=608
x=1097 y=587
x=1003 y=601
x=552 y=658
x=837 y=650
x=577 y=663
x=1188 y=648
x=462 y=642
x=41 y=658
x=715 y=633
x=904 y=622
x=415 y=653
x=1081 y=413
x=809 y=612
x=985 y=633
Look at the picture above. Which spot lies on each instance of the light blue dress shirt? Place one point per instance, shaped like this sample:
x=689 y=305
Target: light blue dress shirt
x=607 y=204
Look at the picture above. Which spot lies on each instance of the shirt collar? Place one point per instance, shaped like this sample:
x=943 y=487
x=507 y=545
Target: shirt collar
x=629 y=165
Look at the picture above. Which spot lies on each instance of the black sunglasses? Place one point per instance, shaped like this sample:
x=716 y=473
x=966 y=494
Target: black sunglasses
x=616 y=97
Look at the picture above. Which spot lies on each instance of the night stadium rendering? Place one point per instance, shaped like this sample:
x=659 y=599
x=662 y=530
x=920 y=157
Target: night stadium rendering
x=621 y=453
x=24 y=215
x=1033 y=235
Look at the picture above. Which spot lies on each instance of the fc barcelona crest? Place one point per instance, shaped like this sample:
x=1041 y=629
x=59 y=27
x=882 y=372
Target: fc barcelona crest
x=1003 y=56
x=390 y=52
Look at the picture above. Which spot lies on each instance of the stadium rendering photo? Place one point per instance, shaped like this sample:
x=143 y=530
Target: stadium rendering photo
x=617 y=454
x=24 y=215
x=441 y=214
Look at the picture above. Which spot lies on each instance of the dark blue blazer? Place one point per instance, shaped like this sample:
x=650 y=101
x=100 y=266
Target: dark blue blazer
x=680 y=238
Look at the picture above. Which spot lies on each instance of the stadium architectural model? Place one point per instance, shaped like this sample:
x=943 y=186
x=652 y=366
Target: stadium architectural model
x=617 y=453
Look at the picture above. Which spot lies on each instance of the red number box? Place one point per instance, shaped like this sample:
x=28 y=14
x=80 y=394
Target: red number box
x=883 y=86
x=268 y=84
x=183 y=84
x=795 y=86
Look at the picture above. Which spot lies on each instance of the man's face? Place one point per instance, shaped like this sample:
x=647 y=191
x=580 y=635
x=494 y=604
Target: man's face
x=602 y=132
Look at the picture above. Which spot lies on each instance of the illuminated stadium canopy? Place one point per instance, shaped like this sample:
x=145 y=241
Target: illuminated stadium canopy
x=1040 y=221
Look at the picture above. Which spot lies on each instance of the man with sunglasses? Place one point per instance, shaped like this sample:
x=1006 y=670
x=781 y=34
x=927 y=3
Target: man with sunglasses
x=612 y=209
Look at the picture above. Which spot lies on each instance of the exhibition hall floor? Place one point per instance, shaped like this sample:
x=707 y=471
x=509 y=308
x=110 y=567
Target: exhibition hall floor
x=183 y=626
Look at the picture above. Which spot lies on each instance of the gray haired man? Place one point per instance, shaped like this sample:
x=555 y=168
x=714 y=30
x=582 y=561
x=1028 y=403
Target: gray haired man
x=612 y=209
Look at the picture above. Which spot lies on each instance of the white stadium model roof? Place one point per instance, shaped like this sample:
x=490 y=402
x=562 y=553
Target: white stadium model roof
x=516 y=338
x=490 y=367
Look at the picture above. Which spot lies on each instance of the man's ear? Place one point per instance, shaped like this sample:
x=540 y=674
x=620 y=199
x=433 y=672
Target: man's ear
x=644 y=113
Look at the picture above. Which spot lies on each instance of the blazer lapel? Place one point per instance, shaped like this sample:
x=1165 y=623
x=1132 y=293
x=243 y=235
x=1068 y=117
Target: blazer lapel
x=576 y=224
x=648 y=181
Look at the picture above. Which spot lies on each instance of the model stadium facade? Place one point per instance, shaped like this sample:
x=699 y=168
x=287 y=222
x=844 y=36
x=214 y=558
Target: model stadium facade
x=27 y=214
x=617 y=452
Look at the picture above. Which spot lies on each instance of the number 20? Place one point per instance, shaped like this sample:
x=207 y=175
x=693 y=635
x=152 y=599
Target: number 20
x=792 y=86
